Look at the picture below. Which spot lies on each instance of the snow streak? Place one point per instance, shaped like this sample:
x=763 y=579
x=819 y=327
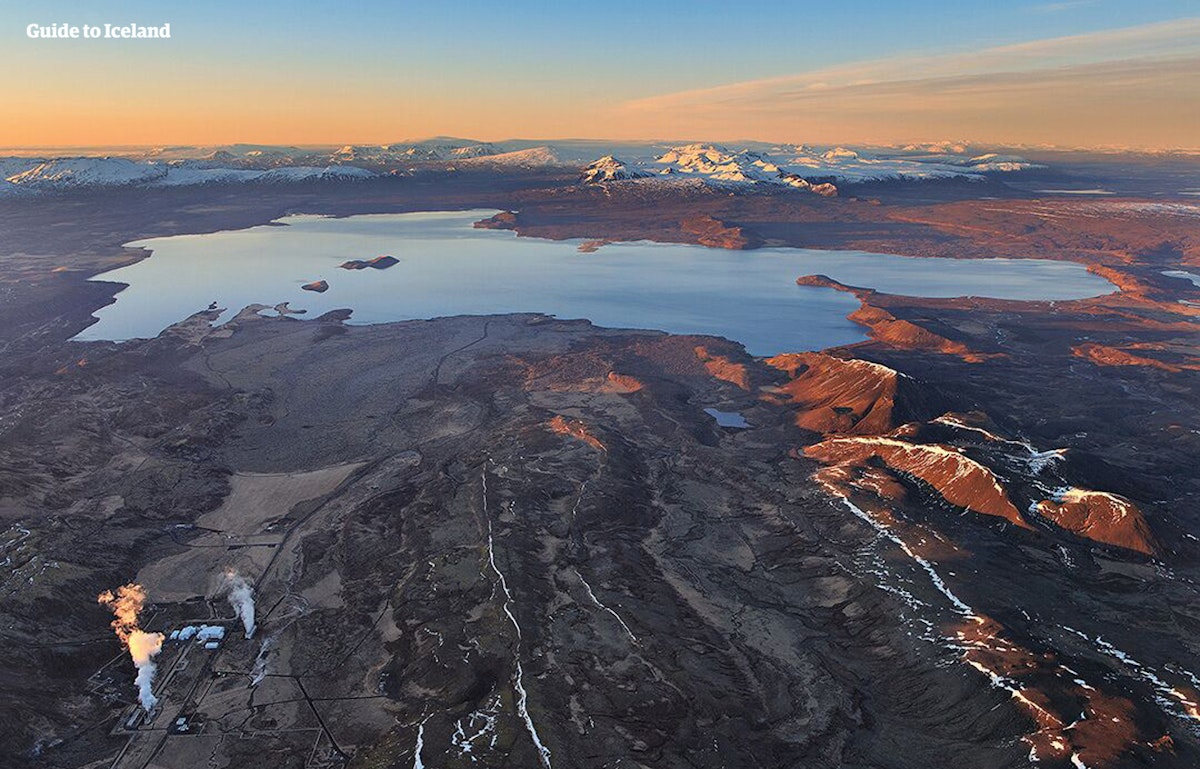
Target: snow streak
x=602 y=607
x=518 y=677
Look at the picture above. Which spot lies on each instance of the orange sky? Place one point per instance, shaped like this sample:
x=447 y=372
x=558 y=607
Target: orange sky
x=1133 y=86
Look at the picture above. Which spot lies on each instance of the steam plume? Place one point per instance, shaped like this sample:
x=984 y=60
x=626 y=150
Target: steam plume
x=259 y=671
x=241 y=598
x=126 y=604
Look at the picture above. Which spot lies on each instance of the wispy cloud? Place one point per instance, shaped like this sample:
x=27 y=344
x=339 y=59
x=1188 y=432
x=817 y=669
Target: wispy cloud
x=1153 y=40
x=1119 y=76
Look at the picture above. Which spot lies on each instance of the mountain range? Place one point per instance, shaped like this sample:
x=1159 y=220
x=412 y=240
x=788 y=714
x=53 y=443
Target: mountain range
x=752 y=163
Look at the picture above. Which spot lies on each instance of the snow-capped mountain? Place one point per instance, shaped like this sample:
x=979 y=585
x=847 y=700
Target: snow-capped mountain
x=717 y=164
x=21 y=175
x=314 y=173
x=534 y=157
x=182 y=175
x=942 y=147
x=806 y=168
x=62 y=173
x=186 y=175
x=13 y=166
x=812 y=169
x=993 y=162
x=847 y=165
x=609 y=169
x=10 y=167
x=702 y=163
x=441 y=148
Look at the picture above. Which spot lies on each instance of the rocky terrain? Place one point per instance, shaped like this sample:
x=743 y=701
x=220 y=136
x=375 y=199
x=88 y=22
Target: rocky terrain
x=519 y=541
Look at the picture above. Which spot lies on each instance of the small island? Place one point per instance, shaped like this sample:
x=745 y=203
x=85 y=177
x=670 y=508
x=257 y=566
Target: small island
x=320 y=286
x=378 y=263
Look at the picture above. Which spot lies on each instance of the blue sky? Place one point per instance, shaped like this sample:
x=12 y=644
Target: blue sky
x=450 y=61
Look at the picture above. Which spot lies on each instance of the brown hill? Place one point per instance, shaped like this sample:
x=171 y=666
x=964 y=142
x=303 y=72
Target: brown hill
x=960 y=480
x=1101 y=517
x=838 y=395
x=715 y=233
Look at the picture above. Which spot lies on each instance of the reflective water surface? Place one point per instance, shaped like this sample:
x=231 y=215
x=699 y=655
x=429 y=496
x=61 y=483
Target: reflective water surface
x=446 y=267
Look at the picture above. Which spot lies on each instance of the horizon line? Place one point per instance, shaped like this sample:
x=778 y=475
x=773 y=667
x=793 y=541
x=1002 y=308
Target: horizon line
x=1039 y=146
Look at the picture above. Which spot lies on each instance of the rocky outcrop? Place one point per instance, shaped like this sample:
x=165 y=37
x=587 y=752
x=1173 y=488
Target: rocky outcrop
x=1101 y=517
x=378 y=263
x=1103 y=355
x=319 y=286
x=714 y=233
x=1093 y=730
x=845 y=479
x=959 y=480
x=576 y=429
x=592 y=246
x=1123 y=279
x=505 y=220
x=825 y=190
x=611 y=383
x=883 y=326
x=906 y=335
x=724 y=369
x=621 y=384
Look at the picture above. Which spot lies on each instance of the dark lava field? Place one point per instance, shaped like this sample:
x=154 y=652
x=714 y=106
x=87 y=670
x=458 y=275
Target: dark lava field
x=518 y=541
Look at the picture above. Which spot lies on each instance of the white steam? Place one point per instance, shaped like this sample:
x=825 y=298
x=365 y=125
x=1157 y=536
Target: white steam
x=241 y=598
x=259 y=671
x=143 y=647
x=126 y=603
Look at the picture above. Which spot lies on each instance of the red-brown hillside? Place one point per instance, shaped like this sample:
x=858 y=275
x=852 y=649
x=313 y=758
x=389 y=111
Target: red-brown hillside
x=837 y=395
x=576 y=429
x=1101 y=517
x=714 y=233
x=959 y=479
x=724 y=369
x=1103 y=355
x=883 y=326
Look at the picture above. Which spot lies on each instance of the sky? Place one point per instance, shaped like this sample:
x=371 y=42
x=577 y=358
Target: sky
x=1069 y=73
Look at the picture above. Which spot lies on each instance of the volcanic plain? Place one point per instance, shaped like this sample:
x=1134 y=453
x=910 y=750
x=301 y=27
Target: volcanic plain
x=522 y=541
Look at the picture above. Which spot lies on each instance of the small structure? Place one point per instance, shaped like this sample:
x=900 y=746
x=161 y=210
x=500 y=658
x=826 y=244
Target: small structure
x=208 y=633
x=210 y=636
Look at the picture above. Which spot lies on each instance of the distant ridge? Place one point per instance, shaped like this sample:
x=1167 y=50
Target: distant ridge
x=813 y=169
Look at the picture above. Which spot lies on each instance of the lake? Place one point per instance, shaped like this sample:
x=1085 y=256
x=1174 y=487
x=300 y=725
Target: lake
x=446 y=267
